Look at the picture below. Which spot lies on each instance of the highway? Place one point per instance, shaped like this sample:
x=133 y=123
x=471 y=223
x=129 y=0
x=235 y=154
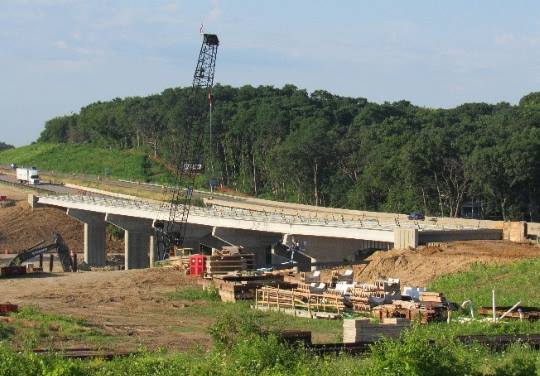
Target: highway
x=53 y=188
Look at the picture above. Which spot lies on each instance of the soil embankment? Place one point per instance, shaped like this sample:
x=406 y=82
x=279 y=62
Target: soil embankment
x=421 y=266
x=22 y=227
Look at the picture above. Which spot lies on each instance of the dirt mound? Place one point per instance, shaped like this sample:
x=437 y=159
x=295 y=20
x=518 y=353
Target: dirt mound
x=421 y=266
x=22 y=227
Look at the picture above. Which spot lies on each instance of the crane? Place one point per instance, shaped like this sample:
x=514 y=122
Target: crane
x=171 y=234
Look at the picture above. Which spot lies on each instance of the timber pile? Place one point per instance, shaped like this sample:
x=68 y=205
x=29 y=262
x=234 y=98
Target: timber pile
x=423 y=312
x=234 y=287
x=295 y=301
x=366 y=295
x=361 y=330
x=436 y=297
x=226 y=261
x=317 y=298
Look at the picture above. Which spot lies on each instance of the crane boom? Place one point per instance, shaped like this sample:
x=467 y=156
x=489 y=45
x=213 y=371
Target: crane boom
x=172 y=233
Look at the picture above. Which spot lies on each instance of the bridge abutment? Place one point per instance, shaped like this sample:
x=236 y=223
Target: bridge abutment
x=406 y=238
x=94 y=235
x=137 y=240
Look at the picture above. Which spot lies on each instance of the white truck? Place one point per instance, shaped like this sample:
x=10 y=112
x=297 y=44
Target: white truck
x=28 y=175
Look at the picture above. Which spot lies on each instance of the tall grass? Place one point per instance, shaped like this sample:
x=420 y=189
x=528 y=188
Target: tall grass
x=88 y=160
x=245 y=350
x=517 y=281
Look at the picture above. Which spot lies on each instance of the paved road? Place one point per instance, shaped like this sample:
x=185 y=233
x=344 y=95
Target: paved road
x=54 y=188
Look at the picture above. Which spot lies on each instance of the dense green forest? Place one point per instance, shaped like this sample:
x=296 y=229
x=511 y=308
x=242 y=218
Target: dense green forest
x=323 y=149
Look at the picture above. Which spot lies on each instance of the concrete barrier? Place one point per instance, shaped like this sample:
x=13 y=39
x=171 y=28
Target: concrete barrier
x=456 y=235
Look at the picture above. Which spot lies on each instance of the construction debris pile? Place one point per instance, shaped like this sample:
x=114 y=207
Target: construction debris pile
x=432 y=306
x=229 y=259
x=234 y=287
x=306 y=295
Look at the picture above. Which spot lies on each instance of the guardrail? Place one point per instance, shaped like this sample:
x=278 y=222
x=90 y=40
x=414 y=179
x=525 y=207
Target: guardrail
x=234 y=213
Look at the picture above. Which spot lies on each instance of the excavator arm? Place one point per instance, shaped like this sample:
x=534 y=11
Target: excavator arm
x=58 y=244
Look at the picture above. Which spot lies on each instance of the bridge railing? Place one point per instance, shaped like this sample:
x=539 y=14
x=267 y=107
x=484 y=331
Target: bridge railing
x=239 y=214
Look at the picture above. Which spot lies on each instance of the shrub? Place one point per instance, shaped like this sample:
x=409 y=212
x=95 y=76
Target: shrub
x=416 y=355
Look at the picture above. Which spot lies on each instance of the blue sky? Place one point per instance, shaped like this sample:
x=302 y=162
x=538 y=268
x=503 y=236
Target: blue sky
x=59 y=55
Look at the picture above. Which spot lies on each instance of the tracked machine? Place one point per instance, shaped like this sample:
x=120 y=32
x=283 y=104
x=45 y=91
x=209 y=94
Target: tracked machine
x=58 y=245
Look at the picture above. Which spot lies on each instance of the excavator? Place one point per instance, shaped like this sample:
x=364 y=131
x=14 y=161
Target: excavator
x=58 y=244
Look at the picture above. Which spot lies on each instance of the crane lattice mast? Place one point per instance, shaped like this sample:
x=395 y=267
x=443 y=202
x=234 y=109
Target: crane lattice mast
x=188 y=162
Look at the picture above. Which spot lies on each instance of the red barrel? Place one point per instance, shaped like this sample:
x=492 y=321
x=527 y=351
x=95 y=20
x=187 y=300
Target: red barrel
x=197 y=264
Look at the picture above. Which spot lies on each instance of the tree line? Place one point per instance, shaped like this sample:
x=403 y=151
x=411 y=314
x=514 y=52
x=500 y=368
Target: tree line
x=323 y=149
x=4 y=146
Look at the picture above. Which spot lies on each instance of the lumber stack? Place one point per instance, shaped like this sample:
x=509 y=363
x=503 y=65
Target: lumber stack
x=361 y=330
x=227 y=262
x=366 y=295
x=295 y=300
x=243 y=286
x=179 y=262
x=436 y=297
x=423 y=312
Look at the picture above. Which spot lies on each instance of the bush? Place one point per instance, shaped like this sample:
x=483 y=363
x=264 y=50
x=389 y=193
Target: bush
x=416 y=355
x=231 y=329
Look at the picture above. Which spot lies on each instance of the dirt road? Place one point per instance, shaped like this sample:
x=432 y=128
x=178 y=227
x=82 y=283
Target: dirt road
x=130 y=305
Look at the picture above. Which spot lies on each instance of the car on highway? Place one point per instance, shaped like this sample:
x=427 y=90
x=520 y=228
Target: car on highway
x=416 y=216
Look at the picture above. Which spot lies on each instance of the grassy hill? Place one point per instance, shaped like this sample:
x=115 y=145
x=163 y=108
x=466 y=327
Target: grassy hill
x=517 y=281
x=86 y=159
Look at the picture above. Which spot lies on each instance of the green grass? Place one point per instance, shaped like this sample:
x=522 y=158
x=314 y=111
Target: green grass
x=242 y=349
x=88 y=160
x=206 y=307
x=513 y=282
x=32 y=328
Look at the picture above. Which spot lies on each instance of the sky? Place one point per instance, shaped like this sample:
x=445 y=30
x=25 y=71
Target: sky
x=57 y=56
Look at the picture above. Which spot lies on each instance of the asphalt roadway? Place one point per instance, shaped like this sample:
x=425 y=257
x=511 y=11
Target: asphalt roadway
x=53 y=188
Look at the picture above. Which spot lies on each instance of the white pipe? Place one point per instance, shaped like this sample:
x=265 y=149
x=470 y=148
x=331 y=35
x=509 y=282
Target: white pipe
x=510 y=310
x=493 y=305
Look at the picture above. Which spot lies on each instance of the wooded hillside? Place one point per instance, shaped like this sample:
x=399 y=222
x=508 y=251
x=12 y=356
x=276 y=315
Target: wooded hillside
x=323 y=149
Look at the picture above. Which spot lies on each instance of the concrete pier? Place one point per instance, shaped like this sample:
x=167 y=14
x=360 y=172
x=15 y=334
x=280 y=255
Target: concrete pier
x=94 y=235
x=137 y=243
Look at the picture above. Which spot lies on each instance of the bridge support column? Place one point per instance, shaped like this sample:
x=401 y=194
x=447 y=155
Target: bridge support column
x=137 y=236
x=94 y=235
x=258 y=242
x=405 y=238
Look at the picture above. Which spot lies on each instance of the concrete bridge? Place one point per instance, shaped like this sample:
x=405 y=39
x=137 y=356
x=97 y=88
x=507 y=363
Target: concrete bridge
x=322 y=239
